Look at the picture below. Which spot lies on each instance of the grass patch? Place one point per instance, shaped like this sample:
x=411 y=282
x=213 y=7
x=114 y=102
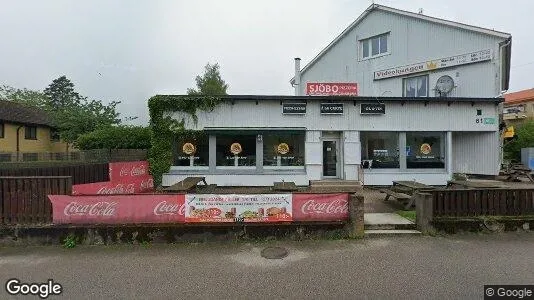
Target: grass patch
x=408 y=214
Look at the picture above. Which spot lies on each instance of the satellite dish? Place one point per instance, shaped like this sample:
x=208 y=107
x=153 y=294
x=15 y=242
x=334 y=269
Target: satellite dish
x=444 y=85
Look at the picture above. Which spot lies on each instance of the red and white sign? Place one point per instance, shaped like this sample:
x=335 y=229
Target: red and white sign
x=125 y=178
x=320 y=207
x=118 y=171
x=331 y=89
x=117 y=209
x=238 y=208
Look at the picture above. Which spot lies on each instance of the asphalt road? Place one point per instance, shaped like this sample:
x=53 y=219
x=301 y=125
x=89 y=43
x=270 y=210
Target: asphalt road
x=449 y=267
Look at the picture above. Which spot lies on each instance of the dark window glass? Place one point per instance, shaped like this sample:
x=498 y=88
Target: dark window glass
x=238 y=150
x=282 y=149
x=193 y=151
x=380 y=150
x=30 y=156
x=365 y=48
x=375 y=46
x=30 y=133
x=2 y=130
x=383 y=43
x=425 y=150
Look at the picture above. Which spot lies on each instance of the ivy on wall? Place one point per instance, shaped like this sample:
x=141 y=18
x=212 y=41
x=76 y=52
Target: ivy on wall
x=164 y=129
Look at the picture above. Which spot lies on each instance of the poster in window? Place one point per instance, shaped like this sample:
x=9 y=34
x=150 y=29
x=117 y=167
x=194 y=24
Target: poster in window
x=235 y=148
x=189 y=148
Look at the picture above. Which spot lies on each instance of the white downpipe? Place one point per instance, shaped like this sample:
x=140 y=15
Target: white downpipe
x=297 y=77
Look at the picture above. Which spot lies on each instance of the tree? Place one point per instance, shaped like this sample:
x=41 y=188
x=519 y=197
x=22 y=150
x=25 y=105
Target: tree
x=525 y=139
x=71 y=113
x=115 y=137
x=211 y=83
x=23 y=96
x=61 y=94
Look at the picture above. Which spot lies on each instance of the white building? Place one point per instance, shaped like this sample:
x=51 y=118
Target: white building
x=426 y=86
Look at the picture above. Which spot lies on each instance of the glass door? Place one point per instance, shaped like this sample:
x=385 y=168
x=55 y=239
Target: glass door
x=330 y=159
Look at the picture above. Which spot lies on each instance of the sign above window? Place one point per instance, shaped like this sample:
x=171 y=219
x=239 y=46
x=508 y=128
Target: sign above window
x=294 y=108
x=332 y=89
x=372 y=109
x=332 y=108
x=469 y=58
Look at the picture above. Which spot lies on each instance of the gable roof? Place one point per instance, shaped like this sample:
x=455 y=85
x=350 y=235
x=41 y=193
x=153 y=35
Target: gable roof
x=373 y=7
x=13 y=112
x=520 y=96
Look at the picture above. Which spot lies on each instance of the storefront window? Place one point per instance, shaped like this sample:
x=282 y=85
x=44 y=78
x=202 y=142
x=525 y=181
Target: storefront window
x=380 y=150
x=425 y=150
x=192 y=151
x=236 y=150
x=283 y=149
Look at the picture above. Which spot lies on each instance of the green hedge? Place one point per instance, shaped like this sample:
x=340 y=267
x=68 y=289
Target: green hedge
x=165 y=129
x=116 y=137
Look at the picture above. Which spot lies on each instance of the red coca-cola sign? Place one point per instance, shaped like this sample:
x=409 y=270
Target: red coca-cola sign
x=118 y=209
x=121 y=170
x=320 y=207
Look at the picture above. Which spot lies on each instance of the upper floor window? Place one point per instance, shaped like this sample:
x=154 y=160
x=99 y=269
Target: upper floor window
x=415 y=86
x=30 y=132
x=1 y=130
x=375 y=46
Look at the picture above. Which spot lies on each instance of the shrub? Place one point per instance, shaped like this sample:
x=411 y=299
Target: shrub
x=525 y=139
x=116 y=137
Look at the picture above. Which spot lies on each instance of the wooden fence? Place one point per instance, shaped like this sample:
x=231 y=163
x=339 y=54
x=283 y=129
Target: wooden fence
x=482 y=202
x=80 y=173
x=24 y=200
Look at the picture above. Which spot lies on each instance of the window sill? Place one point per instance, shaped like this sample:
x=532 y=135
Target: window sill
x=429 y=171
x=235 y=168
x=283 y=167
x=199 y=168
x=35 y=139
x=375 y=56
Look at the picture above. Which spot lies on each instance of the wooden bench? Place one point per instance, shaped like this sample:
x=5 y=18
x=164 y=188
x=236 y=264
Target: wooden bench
x=401 y=197
x=285 y=186
x=187 y=184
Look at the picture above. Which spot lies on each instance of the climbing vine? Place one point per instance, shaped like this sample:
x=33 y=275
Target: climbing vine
x=165 y=129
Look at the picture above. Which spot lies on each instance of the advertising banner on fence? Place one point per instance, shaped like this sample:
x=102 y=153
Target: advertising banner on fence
x=143 y=184
x=125 y=178
x=238 y=208
x=117 y=209
x=320 y=207
x=124 y=171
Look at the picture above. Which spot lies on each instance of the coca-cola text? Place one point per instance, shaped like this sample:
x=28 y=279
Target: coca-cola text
x=332 y=207
x=102 y=208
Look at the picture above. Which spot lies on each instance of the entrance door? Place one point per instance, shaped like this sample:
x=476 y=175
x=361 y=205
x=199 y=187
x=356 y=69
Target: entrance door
x=330 y=159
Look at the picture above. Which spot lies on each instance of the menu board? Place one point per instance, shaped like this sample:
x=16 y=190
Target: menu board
x=238 y=208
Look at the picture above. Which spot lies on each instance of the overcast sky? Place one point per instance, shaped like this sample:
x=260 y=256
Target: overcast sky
x=130 y=50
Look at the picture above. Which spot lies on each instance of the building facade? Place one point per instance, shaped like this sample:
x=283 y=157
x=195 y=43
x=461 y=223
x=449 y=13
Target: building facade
x=518 y=107
x=25 y=132
x=397 y=96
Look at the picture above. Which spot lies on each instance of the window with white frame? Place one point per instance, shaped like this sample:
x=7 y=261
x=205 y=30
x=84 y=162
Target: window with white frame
x=415 y=86
x=375 y=46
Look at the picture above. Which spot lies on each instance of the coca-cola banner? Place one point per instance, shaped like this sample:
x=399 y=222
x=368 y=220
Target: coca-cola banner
x=320 y=207
x=117 y=209
x=121 y=171
x=144 y=184
x=125 y=178
x=238 y=208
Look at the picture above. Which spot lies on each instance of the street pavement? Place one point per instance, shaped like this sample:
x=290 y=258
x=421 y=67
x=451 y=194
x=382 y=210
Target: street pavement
x=419 y=267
